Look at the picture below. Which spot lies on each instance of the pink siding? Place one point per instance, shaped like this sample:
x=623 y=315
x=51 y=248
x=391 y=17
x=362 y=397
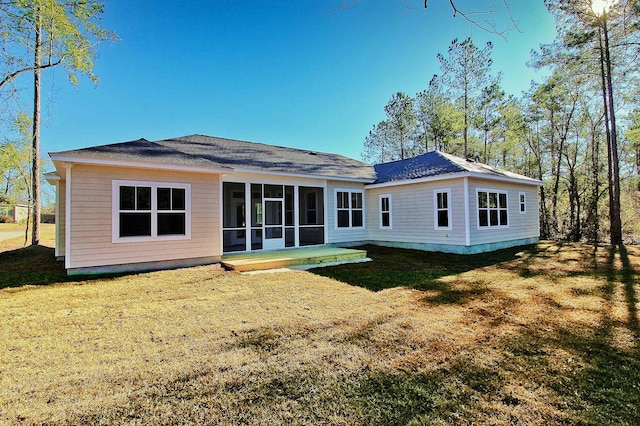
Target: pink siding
x=91 y=218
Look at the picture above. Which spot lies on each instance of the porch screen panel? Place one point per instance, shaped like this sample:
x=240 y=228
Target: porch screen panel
x=311 y=215
x=257 y=215
x=289 y=215
x=233 y=217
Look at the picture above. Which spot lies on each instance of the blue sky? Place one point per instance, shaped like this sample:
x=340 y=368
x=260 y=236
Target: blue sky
x=279 y=72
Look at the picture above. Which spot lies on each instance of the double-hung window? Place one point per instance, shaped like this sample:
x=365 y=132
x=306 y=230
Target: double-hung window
x=493 y=211
x=135 y=211
x=522 y=198
x=349 y=209
x=149 y=210
x=442 y=208
x=385 y=212
x=172 y=213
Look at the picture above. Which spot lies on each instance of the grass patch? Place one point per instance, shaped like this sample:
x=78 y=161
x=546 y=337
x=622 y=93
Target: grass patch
x=31 y=265
x=448 y=342
x=412 y=268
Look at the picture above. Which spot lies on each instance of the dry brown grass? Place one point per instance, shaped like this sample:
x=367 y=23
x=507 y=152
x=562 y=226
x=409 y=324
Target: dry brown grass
x=549 y=336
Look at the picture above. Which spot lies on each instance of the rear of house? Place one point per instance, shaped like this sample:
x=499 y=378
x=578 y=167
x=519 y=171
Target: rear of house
x=188 y=201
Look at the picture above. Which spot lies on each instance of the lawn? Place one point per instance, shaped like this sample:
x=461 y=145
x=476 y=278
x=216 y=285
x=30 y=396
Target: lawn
x=543 y=335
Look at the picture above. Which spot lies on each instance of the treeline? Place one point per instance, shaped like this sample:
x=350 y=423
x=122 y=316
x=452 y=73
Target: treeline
x=578 y=130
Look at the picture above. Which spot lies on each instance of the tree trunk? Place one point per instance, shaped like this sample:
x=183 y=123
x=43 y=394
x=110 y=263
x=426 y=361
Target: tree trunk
x=35 y=169
x=595 y=164
x=466 y=121
x=616 y=220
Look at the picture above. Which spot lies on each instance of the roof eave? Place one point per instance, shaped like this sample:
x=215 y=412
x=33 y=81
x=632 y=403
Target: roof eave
x=458 y=175
x=139 y=164
x=303 y=175
x=52 y=177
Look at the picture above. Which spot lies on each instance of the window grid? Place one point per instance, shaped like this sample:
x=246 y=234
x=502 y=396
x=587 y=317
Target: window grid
x=144 y=211
x=385 y=212
x=442 y=209
x=349 y=209
x=522 y=198
x=493 y=209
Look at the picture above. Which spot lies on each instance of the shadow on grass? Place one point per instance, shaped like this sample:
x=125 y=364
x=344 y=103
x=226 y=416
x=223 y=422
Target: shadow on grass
x=36 y=265
x=420 y=270
x=607 y=390
x=629 y=281
x=452 y=394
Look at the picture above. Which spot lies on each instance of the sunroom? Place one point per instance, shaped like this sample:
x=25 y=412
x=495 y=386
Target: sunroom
x=268 y=216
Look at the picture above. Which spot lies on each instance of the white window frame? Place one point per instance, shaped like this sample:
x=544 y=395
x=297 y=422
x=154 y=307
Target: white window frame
x=522 y=202
x=350 y=191
x=115 y=211
x=436 y=209
x=489 y=226
x=390 y=211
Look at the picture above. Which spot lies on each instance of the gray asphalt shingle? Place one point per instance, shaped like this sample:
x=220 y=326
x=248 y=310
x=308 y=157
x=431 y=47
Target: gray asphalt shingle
x=437 y=163
x=213 y=152
x=270 y=158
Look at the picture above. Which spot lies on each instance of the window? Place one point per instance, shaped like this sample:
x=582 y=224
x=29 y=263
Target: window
x=385 y=211
x=442 y=208
x=144 y=210
x=522 y=198
x=349 y=209
x=492 y=209
x=135 y=211
x=171 y=211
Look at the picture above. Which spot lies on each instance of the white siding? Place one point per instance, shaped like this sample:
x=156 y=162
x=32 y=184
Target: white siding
x=413 y=218
x=91 y=218
x=520 y=226
x=346 y=235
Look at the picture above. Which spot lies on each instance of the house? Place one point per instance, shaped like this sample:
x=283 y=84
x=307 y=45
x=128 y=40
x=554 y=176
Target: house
x=189 y=200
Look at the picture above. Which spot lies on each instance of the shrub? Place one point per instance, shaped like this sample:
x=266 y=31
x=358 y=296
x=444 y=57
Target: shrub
x=5 y=218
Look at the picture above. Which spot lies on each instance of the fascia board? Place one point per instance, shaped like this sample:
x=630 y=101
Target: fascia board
x=455 y=176
x=302 y=175
x=141 y=165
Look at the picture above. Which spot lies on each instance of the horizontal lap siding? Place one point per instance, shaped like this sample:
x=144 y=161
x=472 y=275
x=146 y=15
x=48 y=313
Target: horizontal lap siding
x=346 y=235
x=91 y=218
x=521 y=226
x=412 y=214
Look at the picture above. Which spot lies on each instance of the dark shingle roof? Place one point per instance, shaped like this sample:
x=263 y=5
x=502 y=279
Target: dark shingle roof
x=212 y=152
x=139 y=150
x=425 y=165
x=270 y=158
x=219 y=153
x=438 y=163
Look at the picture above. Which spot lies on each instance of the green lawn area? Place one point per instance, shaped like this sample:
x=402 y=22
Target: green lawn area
x=546 y=334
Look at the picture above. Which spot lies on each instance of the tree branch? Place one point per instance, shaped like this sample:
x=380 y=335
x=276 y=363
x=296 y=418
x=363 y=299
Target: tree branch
x=14 y=74
x=486 y=25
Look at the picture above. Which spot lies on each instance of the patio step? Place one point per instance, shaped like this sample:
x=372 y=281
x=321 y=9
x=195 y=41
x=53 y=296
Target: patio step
x=259 y=261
